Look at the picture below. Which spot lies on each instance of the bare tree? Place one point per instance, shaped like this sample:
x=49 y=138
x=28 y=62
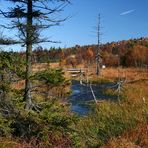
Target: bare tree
x=98 y=55
x=30 y=17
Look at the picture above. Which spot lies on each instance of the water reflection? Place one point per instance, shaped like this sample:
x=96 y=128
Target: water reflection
x=81 y=96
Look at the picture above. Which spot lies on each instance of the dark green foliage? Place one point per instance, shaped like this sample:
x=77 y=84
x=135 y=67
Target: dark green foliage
x=11 y=67
x=6 y=66
x=52 y=84
x=7 y=114
x=4 y=127
x=49 y=122
x=5 y=41
x=51 y=77
x=11 y=61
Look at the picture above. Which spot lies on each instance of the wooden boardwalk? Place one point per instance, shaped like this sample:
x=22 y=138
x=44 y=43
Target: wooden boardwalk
x=74 y=72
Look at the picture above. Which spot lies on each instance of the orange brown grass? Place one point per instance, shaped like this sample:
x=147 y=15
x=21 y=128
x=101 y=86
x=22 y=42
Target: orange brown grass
x=42 y=66
x=126 y=73
x=134 y=138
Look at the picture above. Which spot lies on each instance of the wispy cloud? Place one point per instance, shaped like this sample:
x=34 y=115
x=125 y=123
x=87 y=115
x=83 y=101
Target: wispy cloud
x=127 y=12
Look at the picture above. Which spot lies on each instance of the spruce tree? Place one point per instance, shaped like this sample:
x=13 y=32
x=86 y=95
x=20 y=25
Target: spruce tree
x=30 y=17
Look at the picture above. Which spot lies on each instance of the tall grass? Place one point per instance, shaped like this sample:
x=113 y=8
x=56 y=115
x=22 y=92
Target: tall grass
x=110 y=120
x=134 y=138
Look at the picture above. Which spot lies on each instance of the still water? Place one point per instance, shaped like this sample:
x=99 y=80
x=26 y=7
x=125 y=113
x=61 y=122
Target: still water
x=82 y=98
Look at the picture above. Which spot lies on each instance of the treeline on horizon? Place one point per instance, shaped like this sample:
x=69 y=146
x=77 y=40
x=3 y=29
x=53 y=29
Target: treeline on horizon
x=128 y=53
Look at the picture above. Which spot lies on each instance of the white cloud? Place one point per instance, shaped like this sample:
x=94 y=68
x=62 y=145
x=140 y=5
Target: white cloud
x=127 y=12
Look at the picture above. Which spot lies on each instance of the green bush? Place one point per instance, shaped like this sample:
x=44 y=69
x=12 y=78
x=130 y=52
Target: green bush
x=52 y=124
x=5 y=129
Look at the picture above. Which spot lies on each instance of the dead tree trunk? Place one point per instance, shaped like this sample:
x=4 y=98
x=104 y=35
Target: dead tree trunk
x=98 y=56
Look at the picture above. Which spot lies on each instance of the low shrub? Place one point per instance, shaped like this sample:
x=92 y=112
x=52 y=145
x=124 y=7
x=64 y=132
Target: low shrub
x=52 y=124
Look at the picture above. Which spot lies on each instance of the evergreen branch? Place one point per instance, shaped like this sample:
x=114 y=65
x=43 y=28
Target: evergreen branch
x=4 y=41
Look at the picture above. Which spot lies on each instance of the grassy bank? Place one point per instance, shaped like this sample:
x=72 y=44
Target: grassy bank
x=119 y=124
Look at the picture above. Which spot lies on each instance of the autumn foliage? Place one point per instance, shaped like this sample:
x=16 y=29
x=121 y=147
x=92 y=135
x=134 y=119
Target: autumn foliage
x=130 y=53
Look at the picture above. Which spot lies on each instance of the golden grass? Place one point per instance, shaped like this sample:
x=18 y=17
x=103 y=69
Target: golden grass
x=134 y=138
x=128 y=74
x=137 y=91
x=108 y=73
x=42 y=66
x=8 y=143
x=125 y=73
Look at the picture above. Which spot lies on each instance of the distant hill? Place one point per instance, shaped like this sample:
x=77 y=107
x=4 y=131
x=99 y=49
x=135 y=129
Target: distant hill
x=133 y=52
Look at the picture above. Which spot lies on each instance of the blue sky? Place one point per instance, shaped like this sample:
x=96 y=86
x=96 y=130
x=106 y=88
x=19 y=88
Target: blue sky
x=120 y=20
